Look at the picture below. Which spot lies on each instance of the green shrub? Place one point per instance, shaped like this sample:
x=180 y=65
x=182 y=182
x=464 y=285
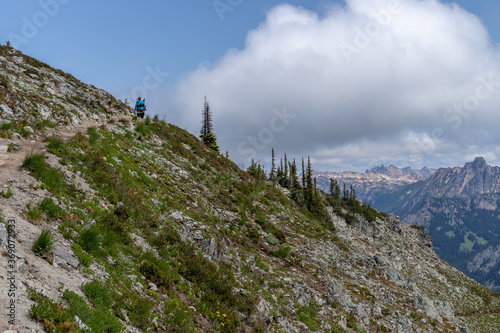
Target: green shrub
x=272 y=241
x=55 y=144
x=155 y=275
x=270 y=228
x=143 y=128
x=179 y=318
x=7 y=194
x=52 y=316
x=93 y=135
x=283 y=252
x=166 y=237
x=85 y=258
x=52 y=177
x=307 y=315
x=23 y=132
x=210 y=141
x=43 y=243
x=337 y=330
x=254 y=236
x=98 y=294
x=89 y=239
x=34 y=213
x=100 y=319
x=50 y=208
x=6 y=126
x=350 y=219
x=138 y=309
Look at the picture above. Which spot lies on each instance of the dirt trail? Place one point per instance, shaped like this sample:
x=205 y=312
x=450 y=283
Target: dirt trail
x=32 y=272
x=11 y=162
x=479 y=314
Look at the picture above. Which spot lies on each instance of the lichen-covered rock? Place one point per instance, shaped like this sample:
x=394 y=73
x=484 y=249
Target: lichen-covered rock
x=6 y=113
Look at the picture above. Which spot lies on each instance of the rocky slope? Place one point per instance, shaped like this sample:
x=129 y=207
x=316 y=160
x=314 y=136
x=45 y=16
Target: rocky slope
x=155 y=232
x=32 y=92
x=459 y=207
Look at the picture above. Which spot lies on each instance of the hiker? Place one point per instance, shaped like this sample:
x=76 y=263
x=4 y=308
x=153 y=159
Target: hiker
x=140 y=107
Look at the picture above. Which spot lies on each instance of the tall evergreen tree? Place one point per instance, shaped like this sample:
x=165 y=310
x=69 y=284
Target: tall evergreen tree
x=286 y=167
x=296 y=189
x=303 y=174
x=283 y=180
x=207 y=128
x=279 y=172
x=308 y=190
x=272 y=176
x=334 y=189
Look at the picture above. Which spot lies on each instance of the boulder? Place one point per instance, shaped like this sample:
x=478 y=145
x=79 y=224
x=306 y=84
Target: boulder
x=63 y=257
x=394 y=276
x=209 y=246
x=425 y=305
x=29 y=129
x=6 y=113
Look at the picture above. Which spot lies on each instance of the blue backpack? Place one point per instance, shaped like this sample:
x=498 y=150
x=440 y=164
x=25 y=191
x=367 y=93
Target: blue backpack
x=141 y=106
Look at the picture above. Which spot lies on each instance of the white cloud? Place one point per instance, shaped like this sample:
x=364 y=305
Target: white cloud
x=374 y=81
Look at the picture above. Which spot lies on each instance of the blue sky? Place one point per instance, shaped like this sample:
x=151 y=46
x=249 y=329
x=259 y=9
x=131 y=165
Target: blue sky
x=110 y=43
x=181 y=50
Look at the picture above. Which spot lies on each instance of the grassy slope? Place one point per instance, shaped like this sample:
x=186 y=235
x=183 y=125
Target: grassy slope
x=138 y=184
x=140 y=177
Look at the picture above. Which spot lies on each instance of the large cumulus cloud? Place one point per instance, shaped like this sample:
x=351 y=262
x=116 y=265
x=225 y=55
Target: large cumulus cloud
x=375 y=81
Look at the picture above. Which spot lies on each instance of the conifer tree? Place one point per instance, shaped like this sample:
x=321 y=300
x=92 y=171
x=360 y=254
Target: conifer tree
x=334 y=189
x=207 y=127
x=283 y=180
x=296 y=189
x=279 y=172
x=272 y=176
x=303 y=175
x=315 y=186
x=308 y=190
x=256 y=170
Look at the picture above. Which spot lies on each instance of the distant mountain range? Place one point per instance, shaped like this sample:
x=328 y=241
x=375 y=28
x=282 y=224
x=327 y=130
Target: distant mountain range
x=374 y=182
x=458 y=206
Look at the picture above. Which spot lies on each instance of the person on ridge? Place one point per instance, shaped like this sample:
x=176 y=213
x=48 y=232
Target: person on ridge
x=140 y=107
